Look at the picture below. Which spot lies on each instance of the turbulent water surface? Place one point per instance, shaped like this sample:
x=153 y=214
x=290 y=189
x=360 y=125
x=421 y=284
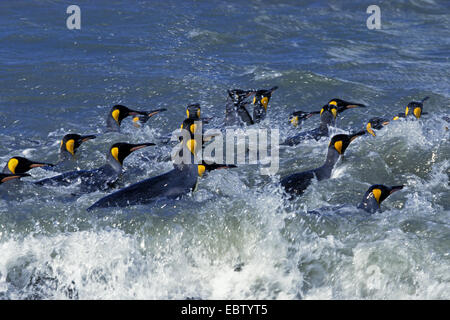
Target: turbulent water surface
x=236 y=237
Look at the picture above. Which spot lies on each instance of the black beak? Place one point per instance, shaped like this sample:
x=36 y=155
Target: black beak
x=312 y=113
x=351 y=105
x=303 y=115
x=135 y=147
x=356 y=135
x=147 y=115
x=424 y=99
x=153 y=112
x=86 y=138
x=272 y=89
x=396 y=188
x=40 y=164
x=136 y=112
x=7 y=177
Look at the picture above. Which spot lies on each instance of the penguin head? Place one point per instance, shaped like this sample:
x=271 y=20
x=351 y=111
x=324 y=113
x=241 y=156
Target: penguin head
x=415 y=108
x=193 y=111
x=72 y=141
x=376 y=194
x=340 y=142
x=119 y=151
x=141 y=117
x=377 y=124
x=298 y=116
x=328 y=114
x=238 y=95
x=7 y=176
x=262 y=97
x=17 y=165
x=120 y=112
x=342 y=105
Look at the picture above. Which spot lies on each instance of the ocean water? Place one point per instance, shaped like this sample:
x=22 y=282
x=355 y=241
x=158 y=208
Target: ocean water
x=236 y=237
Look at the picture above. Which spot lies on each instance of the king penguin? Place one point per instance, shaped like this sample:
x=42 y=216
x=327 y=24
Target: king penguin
x=101 y=178
x=376 y=123
x=296 y=118
x=339 y=104
x=412 y=111
x=297 y=183
x=414 y=108
x=22 y=165
x=371 y=203
x=70 y=144
x=375 y=195
x=119 y=112
x=260 y=102
x=171 y=185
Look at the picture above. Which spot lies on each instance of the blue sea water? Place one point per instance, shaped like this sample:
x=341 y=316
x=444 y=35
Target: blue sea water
x=168 y=54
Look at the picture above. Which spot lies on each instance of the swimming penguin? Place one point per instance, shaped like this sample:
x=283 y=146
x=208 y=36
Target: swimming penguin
x=235 y=110
x=70 y=143
x=370 y=203
x=328 y=115
x=194 y=119
x=120 y=112
x=375 y=195
x=376 y=123
x=22 y=165
x=193 y=111
x=339 y=104
x=101 y=178
x=414 y=108
x=298 y=117
x=8 y=176
x=343 y=105
x=298 y=182
x=171 y=185
x=260 y=102
x=193 y=122
x=193 y=125
x=139 y=121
